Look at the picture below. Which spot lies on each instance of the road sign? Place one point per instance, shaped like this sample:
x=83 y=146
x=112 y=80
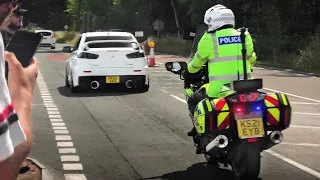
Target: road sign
x=138 y=34
x=158 y=25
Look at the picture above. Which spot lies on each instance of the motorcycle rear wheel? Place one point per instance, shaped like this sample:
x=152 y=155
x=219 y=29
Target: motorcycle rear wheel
x=247 y=165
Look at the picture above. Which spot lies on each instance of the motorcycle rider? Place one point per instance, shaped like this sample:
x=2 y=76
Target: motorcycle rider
x=220 y=47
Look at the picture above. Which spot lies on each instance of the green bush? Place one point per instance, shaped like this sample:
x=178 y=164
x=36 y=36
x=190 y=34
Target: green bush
x=271 y=51
x=66 y=37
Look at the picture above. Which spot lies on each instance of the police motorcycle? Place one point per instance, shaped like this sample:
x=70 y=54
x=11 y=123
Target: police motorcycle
x=243 y=122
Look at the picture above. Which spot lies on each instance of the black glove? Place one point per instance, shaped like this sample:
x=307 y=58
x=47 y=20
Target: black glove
x=185 y=74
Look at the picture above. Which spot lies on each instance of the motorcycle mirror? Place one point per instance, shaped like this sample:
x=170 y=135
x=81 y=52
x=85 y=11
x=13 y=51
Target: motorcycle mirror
x=176 y=67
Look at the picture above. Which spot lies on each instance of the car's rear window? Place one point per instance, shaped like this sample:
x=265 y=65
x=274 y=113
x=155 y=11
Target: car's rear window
x=113 y=45
x=44 y=33
x=97 y=38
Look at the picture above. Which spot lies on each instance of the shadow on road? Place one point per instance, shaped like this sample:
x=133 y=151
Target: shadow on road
x=49 y=51
x=64 y=91
x=199 y=171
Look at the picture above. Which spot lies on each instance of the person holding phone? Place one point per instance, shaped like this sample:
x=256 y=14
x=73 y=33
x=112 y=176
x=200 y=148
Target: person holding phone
x=15 y=105
x=15 y=24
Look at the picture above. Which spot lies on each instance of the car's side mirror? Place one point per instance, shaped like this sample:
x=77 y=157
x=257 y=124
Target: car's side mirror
x=67 y=49
x=176 y=67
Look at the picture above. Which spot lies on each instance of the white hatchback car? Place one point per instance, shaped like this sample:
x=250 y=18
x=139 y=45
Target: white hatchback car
x=100 y=59
x=48 y=39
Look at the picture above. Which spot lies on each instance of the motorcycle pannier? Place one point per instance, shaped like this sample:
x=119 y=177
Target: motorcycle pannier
x=278 y=112
x=212 y=115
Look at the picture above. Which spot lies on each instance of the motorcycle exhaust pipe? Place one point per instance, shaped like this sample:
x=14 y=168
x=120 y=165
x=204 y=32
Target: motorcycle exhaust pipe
x=129 y=84
x=276 y=137
x=94 y=85
x=220 y=141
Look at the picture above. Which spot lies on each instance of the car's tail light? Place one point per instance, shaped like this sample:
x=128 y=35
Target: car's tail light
x=86 y=55
x=135 y=55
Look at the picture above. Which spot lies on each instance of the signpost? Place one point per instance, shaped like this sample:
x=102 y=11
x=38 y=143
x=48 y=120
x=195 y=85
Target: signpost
x=158 y=25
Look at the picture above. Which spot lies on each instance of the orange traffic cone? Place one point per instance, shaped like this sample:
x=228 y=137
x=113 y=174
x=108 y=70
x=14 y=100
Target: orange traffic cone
x=152 y=61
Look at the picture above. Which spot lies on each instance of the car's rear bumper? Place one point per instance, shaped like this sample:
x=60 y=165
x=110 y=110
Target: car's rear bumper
x=138 y=80
x=46 y=44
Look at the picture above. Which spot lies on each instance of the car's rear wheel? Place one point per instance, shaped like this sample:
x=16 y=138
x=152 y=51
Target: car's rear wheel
x=71 y=87
x=144 y=87
x=67 y=84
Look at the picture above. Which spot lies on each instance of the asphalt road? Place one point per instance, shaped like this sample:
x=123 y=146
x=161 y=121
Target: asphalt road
x=122 y=135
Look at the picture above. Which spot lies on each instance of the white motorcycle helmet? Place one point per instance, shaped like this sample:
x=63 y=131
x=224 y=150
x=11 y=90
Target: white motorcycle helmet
x=218 y=16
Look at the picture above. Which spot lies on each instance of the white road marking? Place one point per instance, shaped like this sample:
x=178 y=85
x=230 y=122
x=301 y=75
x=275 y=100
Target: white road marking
x=73 y=158
x=64 y=143
x=54 y=116
x=294 y=163
x=164 y=91
x=158 y=71
x=293 y=95
x=300 y=166
x=61 y=131
x=58 y=124
x=56 y=120
x=173 y=83
x=48 y=102
x=75 y=177
x=50 y=105
x=53 y=112
x=52 y=109
x=304 y=103
x=304 y=127
x=63 y=138
x=304 y=113
x=179 y=99
x=59 y=127
x=301 y=144
x=44 y=91
x=67 y=150
x=72 y=166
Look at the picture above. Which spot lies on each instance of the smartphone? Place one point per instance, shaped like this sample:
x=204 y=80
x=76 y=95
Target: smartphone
x=24 y=45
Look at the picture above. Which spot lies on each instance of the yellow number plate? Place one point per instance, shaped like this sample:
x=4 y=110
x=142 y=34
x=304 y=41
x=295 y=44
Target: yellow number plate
x=113 y=79
x=249 y=128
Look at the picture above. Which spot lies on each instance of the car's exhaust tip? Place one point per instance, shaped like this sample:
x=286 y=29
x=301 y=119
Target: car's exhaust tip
x=129 y=84
x=94 y=85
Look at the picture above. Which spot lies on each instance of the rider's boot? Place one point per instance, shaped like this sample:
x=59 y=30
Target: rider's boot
x=193 y=132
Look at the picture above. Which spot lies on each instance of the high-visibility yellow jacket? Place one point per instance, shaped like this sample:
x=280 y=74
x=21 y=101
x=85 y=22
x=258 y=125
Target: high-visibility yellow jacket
x=222 y=50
